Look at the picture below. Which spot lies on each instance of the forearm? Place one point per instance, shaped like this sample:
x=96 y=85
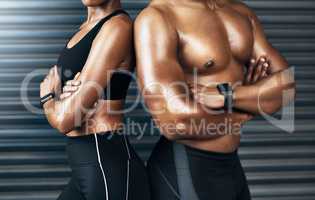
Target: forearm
x=278 y=89
x=59 y=117
x=266 y=96
x=180 y=116
x=67 y=114
x=182 y=121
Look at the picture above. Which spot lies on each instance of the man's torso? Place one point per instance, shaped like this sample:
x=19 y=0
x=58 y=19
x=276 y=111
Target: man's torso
x=214 y=43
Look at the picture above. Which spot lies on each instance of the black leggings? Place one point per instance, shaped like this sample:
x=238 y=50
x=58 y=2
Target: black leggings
x=178 y=172
x=105 y=167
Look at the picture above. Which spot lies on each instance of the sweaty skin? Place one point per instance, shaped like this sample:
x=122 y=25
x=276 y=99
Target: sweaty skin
x=112 y=49
x=175 y=39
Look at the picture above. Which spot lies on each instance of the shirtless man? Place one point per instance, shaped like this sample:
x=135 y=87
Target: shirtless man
x=200 y=44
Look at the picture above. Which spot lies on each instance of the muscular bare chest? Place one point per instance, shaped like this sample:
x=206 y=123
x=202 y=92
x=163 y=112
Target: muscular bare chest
x=213 y=41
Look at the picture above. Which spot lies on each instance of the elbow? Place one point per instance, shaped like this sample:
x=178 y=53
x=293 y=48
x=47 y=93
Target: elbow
x=289 y=89
x=63 y=129
x=270 y=110
x=287 y=97
x=63 y=125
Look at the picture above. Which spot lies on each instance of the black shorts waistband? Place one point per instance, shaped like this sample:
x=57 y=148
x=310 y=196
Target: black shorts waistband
x=194 y=152
x=82 y=150
x=211 y=154
x=91 y=138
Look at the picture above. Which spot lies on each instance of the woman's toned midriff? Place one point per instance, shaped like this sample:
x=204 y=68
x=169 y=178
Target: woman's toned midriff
x=106 y=117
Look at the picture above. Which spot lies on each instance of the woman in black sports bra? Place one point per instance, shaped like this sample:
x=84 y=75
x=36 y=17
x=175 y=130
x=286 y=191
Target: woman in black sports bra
x=98 y=57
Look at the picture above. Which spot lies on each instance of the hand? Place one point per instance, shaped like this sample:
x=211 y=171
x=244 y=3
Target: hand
x=71 y=87
x=257 y=70
x=51 y=83
x=208 y=96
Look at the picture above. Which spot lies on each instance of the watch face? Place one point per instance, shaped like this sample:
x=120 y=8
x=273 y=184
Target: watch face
x=47 y=98
x=224 y=88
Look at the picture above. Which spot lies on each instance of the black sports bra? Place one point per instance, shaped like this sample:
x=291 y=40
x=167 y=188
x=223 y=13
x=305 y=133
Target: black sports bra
x=72 y=60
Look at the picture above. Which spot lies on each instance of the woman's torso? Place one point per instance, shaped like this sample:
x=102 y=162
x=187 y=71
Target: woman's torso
x=72 y=60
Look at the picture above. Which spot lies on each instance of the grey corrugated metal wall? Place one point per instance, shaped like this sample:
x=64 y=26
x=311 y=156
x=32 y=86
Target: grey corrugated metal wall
x=279 y=166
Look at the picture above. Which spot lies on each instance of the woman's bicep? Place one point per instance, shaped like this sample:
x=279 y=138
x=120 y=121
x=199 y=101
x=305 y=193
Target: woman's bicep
x=108 y=51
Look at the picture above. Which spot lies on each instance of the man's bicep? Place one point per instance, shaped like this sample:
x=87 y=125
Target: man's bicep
x=160 y=75
x=156 y=49
x=262 y=47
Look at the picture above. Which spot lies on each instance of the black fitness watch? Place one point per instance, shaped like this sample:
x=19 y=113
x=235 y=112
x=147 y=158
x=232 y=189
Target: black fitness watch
x=46 y=98
x=227 y=91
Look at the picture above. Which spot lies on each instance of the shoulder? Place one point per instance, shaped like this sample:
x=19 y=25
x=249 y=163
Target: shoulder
x=118 y=25
x=153 y=18
x=153 y=15
x=244 y=9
